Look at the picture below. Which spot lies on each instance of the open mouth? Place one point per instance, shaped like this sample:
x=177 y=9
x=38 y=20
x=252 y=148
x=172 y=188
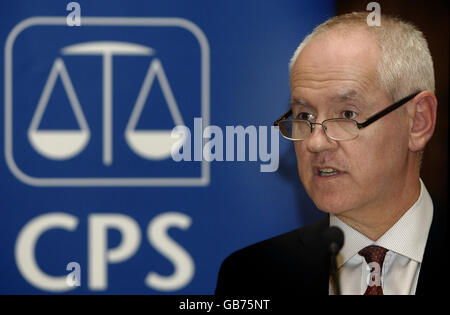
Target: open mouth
x=324 y=172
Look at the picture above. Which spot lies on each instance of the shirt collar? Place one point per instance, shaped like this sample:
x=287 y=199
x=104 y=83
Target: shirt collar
x=406 y=237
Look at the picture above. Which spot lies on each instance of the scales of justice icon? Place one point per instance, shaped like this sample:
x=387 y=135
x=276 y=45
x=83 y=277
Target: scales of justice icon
x=65 y=144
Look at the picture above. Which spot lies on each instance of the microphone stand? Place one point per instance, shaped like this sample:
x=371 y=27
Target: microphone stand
x=334 y=238
x=334 y=275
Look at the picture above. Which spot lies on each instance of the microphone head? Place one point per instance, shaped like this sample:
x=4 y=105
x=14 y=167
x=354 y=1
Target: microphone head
x=334 y=239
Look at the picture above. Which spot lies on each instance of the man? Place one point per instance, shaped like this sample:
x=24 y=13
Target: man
x=362 y=110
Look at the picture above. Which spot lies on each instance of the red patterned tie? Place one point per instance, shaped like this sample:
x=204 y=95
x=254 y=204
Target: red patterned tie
x=374 y=256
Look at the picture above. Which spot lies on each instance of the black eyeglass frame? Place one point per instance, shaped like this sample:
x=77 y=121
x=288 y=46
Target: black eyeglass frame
x=369 y=121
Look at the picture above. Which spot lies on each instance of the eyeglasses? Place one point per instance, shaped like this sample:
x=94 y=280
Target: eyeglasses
x=339 y=129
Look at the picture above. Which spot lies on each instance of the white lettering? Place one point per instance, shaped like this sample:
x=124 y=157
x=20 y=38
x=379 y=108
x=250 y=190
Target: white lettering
x=73 y=279
x=182 y=261
x=216 y=143
x=374 y=17
x=183 y=134
x=74 y=17
x=99 y=255
x=25 y=250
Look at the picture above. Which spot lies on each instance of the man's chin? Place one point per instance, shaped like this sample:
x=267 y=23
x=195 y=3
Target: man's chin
x=332 y=205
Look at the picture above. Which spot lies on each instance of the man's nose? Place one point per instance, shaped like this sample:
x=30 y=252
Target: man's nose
x=318 y=141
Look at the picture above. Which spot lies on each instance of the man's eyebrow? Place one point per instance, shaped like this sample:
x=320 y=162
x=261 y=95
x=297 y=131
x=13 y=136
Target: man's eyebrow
x=299 y=101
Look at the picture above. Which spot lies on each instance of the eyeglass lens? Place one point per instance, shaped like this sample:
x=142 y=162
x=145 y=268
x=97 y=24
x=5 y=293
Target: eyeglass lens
x=339 y=129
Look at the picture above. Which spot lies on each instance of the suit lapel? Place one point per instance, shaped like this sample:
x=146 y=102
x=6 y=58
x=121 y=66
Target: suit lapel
x=433 y=268
x=317 y=260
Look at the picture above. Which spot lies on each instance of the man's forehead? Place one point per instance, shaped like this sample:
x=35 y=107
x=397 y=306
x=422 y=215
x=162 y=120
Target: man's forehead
x=344 y=42
x=336 y=67
x=340 y=48
x=341 y=96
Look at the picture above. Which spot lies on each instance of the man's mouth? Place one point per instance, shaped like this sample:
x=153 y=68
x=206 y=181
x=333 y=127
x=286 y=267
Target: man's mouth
x=327 y=171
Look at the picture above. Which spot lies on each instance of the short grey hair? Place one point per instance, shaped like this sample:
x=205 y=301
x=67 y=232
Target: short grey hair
x=405 y=64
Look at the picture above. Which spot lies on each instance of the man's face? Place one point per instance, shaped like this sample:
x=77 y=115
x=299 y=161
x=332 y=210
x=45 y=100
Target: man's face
x=335 y=76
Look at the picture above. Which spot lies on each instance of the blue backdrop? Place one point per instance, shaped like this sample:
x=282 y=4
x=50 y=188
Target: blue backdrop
x=78 y=183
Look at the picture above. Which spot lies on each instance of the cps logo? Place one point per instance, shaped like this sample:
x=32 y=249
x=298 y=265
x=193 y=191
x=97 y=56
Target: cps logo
x=95 y=105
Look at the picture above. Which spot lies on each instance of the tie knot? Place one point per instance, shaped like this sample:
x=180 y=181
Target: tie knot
x=373 y=253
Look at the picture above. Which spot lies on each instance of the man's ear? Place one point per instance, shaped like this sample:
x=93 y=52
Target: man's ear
x=422 y=120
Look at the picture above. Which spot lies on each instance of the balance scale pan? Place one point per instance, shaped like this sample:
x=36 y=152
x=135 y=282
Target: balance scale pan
x=58 y=144
x=153 y=145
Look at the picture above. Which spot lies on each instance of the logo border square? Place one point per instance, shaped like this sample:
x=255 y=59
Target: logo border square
x=203 y=180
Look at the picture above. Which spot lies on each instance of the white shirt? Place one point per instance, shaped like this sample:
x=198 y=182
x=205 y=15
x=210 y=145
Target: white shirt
x=405 y=242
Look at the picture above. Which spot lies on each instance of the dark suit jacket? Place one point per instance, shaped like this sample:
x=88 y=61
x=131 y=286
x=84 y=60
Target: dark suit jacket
x=298 y=263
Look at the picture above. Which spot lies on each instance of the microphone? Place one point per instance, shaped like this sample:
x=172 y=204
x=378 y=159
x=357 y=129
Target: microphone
x=334 y=239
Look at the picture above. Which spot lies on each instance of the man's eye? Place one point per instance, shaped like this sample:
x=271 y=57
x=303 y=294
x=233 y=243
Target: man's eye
x=349 y=114
x=305 y=116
